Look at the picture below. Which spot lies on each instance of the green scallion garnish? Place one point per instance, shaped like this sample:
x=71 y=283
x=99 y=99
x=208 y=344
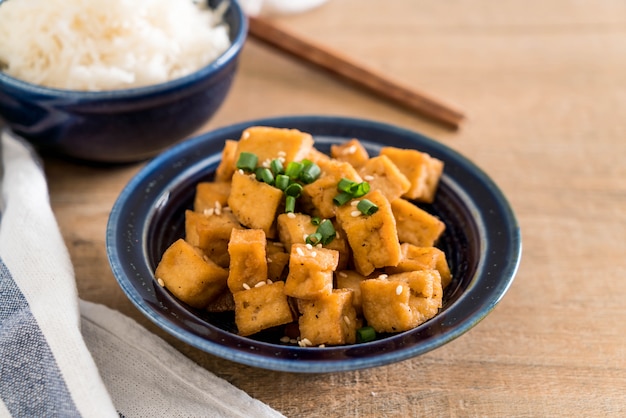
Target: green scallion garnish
x=342 y=198
x=310 y=172
x=277 y=167
x=365 y=334
x=314 y=238
x=265 y=175
x=247 y=161
x=293 y=169
x=290 y=204
x=367 y=207
x=282 y=181
x=294 y=189
x=327 y=230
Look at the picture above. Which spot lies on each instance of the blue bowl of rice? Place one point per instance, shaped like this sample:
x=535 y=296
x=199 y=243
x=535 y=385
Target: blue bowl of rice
x=150 y=80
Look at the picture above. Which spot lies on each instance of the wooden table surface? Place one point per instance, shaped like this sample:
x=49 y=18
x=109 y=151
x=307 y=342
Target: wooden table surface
x=544 y=87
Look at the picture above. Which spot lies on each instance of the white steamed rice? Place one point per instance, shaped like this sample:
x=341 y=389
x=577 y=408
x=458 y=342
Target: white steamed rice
x=107 y=44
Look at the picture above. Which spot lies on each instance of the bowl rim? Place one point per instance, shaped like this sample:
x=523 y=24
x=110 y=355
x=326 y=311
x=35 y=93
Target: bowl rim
x=8 y=81
x=478 y=299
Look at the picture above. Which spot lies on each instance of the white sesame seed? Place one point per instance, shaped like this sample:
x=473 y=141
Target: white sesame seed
x=322 y=345
x=337 y=235
x=313 y=253
x=282 y=154
x=343 y=274
x=240 y=171
x=291 y=215
x=161 y=282
x=208 y=212
x=299 y=251
x=277 y=244
x=269 y=281
x=218 y=205
x=253 y=176
x=205 y=258
x=346 y=320
x=304 y=237
x=293 y=341
x=266 y=163
x=355 y=213
x=306 y=342
x=350 y=150
x=246 y=286
x=227 y=209
x=218 y=211
x=383 y=276
x=284 y=339
x=309 y=247
x=319 y=245
x=245 y=135
x=399 y=289
x=354 y=202
x=368 y=178
x=260 y=284
x=282 y=159
x=269 y=260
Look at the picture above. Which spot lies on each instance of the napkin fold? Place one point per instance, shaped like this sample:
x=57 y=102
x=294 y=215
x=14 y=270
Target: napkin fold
x=64 y=357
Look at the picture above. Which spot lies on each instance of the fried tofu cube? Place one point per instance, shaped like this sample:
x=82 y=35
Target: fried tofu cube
x=351 y=152
x=211 y=233
x=189 y=275
x=227 y=165
x=277 y=260
x=310 y=271
x=382 y=174
x=254 y=203
x=350 y=279
x=268 y=143
x=372 y=238
x=422 y=170
x=402 y=301
x=248 y=262
x=211 y=197
x=415 y=225
x=422 y=258
x=317 y=197
x=328 y=320
x=317 y=156
x=294 y=228
x=261 y=307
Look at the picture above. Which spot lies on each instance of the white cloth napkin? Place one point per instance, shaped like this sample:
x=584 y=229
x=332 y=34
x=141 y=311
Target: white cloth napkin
x=63 y=357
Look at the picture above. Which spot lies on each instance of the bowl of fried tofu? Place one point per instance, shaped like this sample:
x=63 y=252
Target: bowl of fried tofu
x=313 y=243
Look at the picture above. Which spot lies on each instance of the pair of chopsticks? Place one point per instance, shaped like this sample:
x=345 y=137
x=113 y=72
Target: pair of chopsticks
x=350 y=70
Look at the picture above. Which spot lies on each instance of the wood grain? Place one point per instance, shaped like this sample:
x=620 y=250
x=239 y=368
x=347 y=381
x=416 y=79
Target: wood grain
x=545 y=85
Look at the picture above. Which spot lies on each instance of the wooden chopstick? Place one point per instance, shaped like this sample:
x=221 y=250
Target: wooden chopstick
x=342 y=66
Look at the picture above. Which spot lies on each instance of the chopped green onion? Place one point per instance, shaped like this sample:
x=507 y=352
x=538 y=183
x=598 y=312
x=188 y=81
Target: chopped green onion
x=294 y=189
x=365 y=334
x=293 y=169
x=345 y=185
x=327 y=230
x=306 y=162
x=310 y=173
x=290 y=203
x=277 y=167
x=342 y=198
x=247 y=161
x=360 y=189
x=316 y=220
x=367 y=207
x=265 y=175
x=282 y=181
x=314 y=238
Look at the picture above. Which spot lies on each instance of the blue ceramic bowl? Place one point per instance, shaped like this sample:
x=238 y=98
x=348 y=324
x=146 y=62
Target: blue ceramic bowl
x=482 y=241
x=122 y=125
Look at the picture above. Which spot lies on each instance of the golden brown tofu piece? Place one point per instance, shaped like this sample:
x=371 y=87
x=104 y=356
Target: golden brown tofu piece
x=317 y=197
x=415 y=225
x=248 y=262
x=277 y=261
x=189 y=275
x=351 y=152
x=294 y=228
x=310 y=271
x=350 y=279
x=211 y=233
x=261 y=307
x=268 y=143
x=422 y=170
x=317 y=156
x=211 y=197
x=422 y=258
x=328 y=320
x=254 y=203
x=382 y=174
x=226 y=167
x=402 y=301
x=372 y=238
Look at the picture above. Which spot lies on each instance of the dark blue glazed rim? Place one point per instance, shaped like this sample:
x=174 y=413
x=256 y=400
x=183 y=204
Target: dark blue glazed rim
x=482 y=241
